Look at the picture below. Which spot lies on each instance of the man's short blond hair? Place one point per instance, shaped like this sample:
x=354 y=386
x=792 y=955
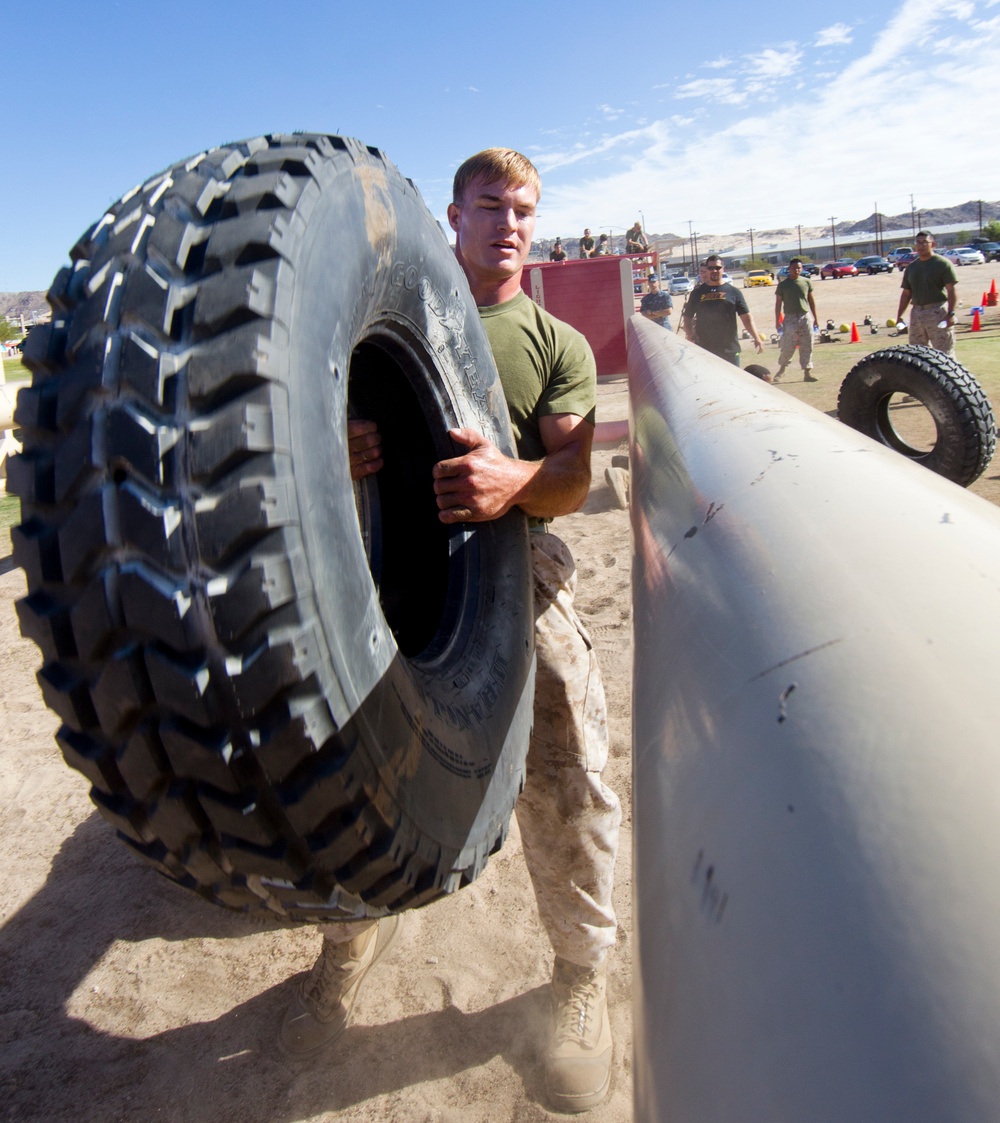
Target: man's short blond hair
x=496 y=165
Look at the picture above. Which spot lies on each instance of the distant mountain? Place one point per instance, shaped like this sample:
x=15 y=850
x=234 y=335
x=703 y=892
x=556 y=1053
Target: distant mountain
x=966 y=213
x=14 y=304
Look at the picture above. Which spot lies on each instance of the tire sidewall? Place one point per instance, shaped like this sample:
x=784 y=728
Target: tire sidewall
x=442 y=736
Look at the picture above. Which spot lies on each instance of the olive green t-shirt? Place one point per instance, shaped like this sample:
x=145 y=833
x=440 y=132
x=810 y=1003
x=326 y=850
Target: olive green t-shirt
x=545 y=366
x=794 y=295
x=926 y=280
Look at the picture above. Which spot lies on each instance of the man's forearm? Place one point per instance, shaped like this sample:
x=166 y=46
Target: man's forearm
x=484 y=484
x=557 y=485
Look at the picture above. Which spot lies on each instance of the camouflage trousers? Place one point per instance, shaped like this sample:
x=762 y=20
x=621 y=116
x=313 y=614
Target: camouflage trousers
x=796 y=330
x=923 y=328
x=567 y=816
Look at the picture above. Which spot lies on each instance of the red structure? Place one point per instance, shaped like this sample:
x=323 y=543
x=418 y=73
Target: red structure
x=596 y=296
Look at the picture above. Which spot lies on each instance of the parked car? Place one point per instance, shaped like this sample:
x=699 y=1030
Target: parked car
x=678 y=286
x=810 y=269
x=989 y=250
x=963 y=255
x=898 y=252
x=838 y=269
x=872 y=265
x=904 y=260
x=757 y=277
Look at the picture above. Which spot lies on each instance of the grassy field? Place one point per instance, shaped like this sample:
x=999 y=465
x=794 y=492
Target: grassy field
x=15 y=371
x=978 y=352
x=10 y=510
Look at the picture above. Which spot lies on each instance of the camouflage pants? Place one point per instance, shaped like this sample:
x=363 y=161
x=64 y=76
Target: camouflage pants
x=796 y=330
x=567 y=816
x=923 y=327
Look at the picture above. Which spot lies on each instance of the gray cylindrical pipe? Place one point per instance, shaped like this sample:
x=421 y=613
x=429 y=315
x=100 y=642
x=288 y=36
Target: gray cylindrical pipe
x=816 y=763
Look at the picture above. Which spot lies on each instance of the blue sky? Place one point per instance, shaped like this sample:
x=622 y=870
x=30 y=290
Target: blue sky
x=723 y=114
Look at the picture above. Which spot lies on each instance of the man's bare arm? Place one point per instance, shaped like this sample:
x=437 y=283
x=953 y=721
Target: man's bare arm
x=483 y=484
x=752 y=329
x=904 y=301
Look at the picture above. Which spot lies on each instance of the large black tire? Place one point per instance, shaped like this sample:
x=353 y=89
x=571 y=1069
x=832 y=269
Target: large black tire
x=966 y=430
x=288 y=693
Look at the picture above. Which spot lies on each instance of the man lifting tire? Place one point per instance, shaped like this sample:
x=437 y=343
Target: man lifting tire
x=568 y=818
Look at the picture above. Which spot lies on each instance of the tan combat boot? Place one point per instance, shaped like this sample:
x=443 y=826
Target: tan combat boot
x=322 y=1008
x=578 y=1062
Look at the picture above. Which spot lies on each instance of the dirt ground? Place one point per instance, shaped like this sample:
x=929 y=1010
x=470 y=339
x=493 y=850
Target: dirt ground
x=124 y=998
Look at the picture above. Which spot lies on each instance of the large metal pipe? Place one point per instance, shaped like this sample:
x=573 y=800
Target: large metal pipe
x=816 y=764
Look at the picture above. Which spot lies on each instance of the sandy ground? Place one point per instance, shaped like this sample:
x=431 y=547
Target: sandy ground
x=124 y=998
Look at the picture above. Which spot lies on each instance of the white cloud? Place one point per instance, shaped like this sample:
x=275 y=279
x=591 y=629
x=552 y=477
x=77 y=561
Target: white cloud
x=718 y=63
x=610 y=112
x=549 y=161
x=773 y=63
x=834 y=35
x=715 y=89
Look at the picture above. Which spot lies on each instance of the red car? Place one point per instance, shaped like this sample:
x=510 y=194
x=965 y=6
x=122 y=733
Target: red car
x=838 y=269
x=902 y=262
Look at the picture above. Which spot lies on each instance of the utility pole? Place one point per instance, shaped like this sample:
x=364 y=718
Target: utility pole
x=691 y=243
x=980 y=216
x=800 y=239
x=913 y=218
x=833 y=233
x=695 y=235
x=751 y=243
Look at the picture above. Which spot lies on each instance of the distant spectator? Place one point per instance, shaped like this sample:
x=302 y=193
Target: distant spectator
x=930 y=283
x=602 y=246
x=709 y=316
x=557 y=253
x=587 y=244
x=635 y=240
x=656 y=305
x=793 y=299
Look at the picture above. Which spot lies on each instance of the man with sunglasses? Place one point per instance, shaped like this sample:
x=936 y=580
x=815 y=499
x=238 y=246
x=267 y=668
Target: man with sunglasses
x=710 y=314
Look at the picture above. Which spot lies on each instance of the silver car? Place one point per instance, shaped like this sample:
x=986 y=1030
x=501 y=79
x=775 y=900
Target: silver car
x=965 y=255
x=678 y=286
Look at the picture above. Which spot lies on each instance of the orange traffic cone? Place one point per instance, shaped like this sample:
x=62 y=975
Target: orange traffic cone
x=986 y=301
x=855 y=335
x=976 y=326
x=991 y=298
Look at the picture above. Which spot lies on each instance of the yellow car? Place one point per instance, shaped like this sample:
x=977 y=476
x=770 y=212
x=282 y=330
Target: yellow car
x=757 y=277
